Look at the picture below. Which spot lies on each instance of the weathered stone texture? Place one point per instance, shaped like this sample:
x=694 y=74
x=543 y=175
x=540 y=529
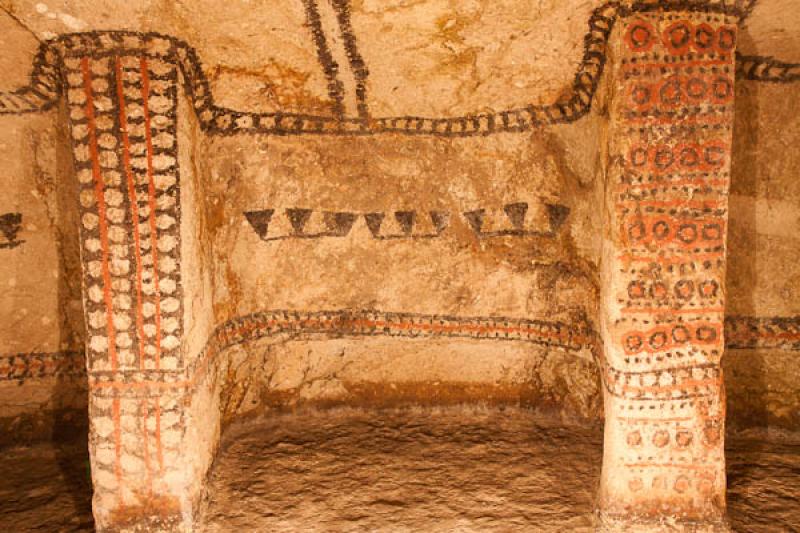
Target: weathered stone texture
x=42 y=382
x=235 y=260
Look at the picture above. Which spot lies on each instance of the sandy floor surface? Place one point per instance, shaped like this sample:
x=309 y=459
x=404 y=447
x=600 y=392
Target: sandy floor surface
x=453 y=469
x=45 y=488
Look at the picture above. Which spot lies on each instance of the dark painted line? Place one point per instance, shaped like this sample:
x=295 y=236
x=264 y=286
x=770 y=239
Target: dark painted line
x=354 y=57
x=329 y=65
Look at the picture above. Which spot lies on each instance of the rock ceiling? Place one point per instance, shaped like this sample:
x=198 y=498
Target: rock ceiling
x=382 y=57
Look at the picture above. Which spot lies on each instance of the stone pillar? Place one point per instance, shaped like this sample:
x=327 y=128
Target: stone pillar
x=663 y=272
x=121 y=93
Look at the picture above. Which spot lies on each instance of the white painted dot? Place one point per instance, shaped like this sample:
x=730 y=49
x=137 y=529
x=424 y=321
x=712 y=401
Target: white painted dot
x=104 y=455
x=121 y=321
x=94 y=268
x=167 y=243
x=95 y=293
x=170 y=342
x=41 y=8
x=122 y=301
x=124 y=340
x=90 y=221
x=166 y=264
x=120 y=251
x=120 y=284
x=120 y=267
x=115 y=215
x=85 y=176
x=170 y=305
x=113 y=197
x=167 y=286
x=98 y=343
x=169 y=324
x=165 y=221
x=93 y=245
x=117 y=234
x=87 y=198
x=97 y=319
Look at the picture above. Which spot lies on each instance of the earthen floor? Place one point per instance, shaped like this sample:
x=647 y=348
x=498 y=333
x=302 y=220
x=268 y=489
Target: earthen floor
x=454 y=469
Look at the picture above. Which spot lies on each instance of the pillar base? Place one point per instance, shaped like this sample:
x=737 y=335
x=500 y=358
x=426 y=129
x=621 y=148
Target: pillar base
x=609 y=523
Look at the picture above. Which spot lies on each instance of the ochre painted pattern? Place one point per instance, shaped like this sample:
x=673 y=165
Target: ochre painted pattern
x=665 y=300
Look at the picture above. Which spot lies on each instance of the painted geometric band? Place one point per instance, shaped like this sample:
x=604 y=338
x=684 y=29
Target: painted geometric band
x=37 y=365
x=768 y=69
x=348 y=323
x=746 y=332
x=122 y=112
x=674 y=383
x=45 y=88
x=514 y=219
x=779 y=333
x=668 y=337
x=379 y=323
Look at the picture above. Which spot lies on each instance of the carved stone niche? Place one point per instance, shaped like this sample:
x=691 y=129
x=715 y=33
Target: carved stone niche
x=418 y=246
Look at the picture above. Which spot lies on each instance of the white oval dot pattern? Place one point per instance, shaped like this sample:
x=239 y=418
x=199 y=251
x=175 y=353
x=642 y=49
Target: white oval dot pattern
x=122 y=108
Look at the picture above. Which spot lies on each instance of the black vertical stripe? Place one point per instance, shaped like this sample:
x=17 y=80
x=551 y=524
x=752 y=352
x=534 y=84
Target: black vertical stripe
x=357 y=64
x=329 y=65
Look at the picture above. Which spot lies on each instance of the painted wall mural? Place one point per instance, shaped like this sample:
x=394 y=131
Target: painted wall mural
x=658 y=350
x=511 y=220
x=215 y=120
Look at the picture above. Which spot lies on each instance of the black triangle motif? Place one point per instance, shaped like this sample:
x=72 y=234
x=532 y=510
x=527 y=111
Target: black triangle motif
x=516 y=213
x=374 y=221
x=260 y=220
x=440 y=220
x=475 y=219
x=557 y=214
x=298 y=219
x=339 y=224
x=406 y=220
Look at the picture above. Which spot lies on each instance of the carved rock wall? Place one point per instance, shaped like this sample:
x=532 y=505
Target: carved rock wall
x=426 y=238
x=763 y=272
x=42 y=376
x=256 y=236
x=237 y=260
x=439 y=188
